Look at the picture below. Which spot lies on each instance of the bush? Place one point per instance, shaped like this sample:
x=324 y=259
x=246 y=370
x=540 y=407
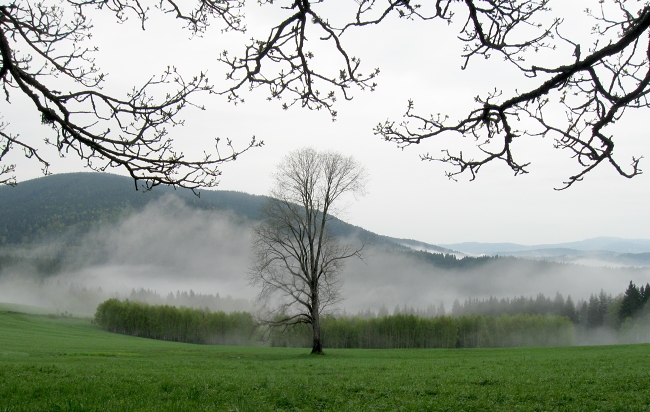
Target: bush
x=176 y=324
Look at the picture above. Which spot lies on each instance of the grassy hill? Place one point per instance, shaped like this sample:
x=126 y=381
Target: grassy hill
x=61 y=363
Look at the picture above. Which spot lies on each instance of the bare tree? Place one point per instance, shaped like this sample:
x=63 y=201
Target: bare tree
x=297 y=261
x=46 y=45
x=594 y=86
x=593 y=89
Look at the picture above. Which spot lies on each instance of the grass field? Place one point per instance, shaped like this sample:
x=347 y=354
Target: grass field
x=66 y=364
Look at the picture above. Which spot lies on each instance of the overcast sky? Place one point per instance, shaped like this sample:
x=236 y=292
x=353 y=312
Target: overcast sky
x=406 y=198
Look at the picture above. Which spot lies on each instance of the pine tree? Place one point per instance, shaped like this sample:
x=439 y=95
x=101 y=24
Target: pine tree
x=558 y=305
x=570 y=309
x=456 y=309
x=645 y=293
x=441 y=310
x=603 y=303
x=632 y=302
x=594 y=318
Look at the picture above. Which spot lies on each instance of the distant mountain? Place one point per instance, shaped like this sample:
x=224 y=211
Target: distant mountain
x=611 y=244
x=596 y=251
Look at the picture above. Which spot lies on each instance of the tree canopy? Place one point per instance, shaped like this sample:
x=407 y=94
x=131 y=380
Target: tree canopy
x=47 y=45
x=593 y=81
x=296 y=259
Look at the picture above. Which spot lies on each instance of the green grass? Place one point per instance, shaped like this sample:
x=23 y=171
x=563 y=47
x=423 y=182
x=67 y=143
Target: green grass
x=66 y=364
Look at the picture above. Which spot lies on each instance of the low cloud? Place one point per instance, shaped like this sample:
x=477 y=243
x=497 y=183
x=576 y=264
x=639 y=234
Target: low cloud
x=391 y=279
x=170 y=247
x=167 y=247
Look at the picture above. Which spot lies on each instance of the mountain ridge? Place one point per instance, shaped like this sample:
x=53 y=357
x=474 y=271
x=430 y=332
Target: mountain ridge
x=602 y=250
x=57 y=204
x=70 y=204
x=600 y=243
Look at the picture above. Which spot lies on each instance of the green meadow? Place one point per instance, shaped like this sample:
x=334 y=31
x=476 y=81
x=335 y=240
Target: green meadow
x=54 y=363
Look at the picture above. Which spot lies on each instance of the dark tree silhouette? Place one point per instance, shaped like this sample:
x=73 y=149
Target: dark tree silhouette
x=593 y=88
x=43 y=44
x=297 y=261
x=632 y=302
x=597 y=84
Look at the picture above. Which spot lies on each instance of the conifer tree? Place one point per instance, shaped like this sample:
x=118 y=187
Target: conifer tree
x=632 y=302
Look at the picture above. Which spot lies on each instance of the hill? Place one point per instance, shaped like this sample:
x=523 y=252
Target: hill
x=65 y=207
x=65 y=236
x=56 y=205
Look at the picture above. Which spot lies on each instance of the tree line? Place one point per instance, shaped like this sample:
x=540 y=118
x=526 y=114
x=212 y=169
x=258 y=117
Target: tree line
x=538 y=305
x=626 y=315
x=182 y=324
x=394 y=331
x=475 y=323
x=410 y=331
x=601 y=309
x=450 y=261
x=191 y=299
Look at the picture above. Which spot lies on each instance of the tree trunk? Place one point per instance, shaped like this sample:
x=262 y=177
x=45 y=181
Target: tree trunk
x=317 y=345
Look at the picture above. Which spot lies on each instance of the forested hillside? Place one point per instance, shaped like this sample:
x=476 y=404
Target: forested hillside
x=71 y=203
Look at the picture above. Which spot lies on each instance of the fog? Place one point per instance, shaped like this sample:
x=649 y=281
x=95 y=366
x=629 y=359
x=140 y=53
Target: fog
x=394 y=279
x=169 y=247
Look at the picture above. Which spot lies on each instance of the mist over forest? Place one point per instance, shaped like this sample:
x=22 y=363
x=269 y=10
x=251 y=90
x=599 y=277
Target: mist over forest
x=168 y=244
x=166 y=247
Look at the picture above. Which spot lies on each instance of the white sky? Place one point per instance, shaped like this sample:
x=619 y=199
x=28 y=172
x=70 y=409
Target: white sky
x=406 y=198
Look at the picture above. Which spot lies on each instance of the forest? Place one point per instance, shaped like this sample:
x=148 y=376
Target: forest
x=397 y=331
x=410 y=332
x=67 y=206
x=626 y=312
x=489 y=323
